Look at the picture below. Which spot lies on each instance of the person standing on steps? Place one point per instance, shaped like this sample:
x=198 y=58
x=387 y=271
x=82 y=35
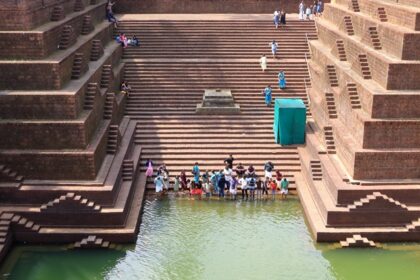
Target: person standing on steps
x=282 y=79
x=149 y=170
x=214 y=181
x=308 y=12
x=222 y=184
x=274 y=47
x=259 y=188
x=301 y=11
x=240 y=170
x=273 y=187
x=159 y=184
x=196 y=173
x=244 y=187
x=183 y=180
x=227 y=172
x=110 y=14
x=268 y=168
x=263 y=62
x=229 y=161
x=276 y=19
x=279 y=176
x=283 y=17
x=251 y=171
x=265 y=186
x=284 y=188
x=252 y=184
x=176 y=185
x=232 y=190
x=267 y=95
x=320 y=7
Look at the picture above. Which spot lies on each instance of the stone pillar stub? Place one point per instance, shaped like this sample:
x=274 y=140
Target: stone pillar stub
x=218 y=101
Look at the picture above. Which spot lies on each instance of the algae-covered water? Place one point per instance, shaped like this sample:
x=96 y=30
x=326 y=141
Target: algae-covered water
x=187 y=239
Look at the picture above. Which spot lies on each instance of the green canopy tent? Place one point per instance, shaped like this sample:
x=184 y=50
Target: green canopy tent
x=289 y=121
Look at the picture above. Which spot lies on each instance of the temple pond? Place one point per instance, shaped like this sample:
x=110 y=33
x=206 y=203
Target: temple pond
x=187 y=239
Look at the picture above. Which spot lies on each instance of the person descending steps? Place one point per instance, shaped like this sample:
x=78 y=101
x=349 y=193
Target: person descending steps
x=267 y=95
x=263 y=62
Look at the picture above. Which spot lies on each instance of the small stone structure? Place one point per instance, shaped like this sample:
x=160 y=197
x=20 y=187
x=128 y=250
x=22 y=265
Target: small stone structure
x=218 y=101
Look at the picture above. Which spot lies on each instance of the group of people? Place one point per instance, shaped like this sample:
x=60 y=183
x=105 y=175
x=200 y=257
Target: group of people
x=268 y=91
x=309 y=11
x=125 y=88
x=229 y=180
x=279 y=18
x=127 y=41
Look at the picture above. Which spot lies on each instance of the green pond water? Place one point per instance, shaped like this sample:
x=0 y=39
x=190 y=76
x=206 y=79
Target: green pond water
x=187 y=239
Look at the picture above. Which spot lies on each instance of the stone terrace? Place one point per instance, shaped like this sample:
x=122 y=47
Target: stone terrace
x=360 y=167
x=68 y=161
x=183 y=55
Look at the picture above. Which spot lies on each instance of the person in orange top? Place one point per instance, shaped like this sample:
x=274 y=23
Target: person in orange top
x=273 y=187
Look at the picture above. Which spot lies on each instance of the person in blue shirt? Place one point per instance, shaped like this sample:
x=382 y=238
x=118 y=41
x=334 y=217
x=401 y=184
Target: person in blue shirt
x=282 y=79
x=196 y=173
x=267 y=94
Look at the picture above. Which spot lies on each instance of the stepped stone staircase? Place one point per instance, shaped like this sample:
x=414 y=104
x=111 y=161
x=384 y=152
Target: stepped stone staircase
x=92 y=242
x=354 y=96
x=357 y=241
x=97 y=50
x=341 y=50
x=373 y=34
x=382 y=14
x=68 y=37
x=348 y=25
x=364 y=67
x=367 y=188
x=69 y=167
x=331 y=107
x=87 y=25
x=329 y=139
x=79 y=66
x=178 y=60
x=355 y=5
x=332 y=76
x=69 y=202
x=58 y=13
x=316 y=170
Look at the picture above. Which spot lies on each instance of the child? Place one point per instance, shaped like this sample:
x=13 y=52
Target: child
x=273 y=187
x=207 y=189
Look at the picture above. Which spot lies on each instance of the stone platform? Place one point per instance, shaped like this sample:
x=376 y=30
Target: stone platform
x=218 y=101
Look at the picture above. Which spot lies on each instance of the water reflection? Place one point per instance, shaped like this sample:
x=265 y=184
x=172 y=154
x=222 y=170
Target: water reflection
x=205 y=240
